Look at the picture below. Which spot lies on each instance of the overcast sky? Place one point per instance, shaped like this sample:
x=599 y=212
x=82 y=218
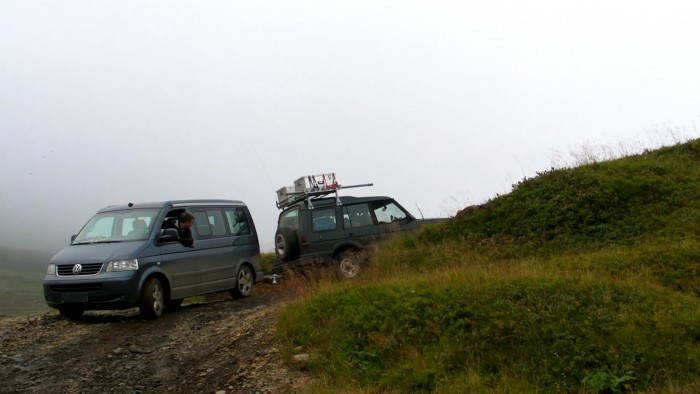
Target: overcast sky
x=441 y=104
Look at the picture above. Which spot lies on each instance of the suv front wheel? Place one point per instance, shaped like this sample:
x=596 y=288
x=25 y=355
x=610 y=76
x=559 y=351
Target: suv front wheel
x=349 y=263
x=286 y=244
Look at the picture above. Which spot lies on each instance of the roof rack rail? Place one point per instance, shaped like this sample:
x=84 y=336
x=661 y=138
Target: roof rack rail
x=311 y=187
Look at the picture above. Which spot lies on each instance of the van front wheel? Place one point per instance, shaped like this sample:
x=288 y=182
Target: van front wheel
x=244 y=283
x=152 y=302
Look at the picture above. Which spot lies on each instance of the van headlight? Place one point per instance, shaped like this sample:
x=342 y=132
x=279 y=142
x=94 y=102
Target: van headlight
x=51 y=270
x=123 y=265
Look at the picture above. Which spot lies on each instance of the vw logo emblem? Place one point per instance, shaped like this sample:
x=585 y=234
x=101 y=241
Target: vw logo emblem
x=77 y=268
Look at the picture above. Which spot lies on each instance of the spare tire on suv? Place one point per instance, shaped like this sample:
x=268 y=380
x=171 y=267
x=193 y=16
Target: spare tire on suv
x=286 y=244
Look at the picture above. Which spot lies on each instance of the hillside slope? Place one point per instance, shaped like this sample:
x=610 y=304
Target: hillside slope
x=580 y=280
x=633 y=199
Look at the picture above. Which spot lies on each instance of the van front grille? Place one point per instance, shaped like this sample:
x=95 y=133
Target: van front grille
x=76 y=288
x=79 y=269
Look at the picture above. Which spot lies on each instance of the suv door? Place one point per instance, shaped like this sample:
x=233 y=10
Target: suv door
x=359 y=224
x=326 y=230
x=392 y=217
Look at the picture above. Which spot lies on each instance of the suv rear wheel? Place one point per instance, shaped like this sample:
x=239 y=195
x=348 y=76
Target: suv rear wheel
x=286 y=244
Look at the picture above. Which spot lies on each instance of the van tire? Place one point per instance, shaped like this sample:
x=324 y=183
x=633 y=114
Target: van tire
x=244 y=283
x=152 y=301
x=71 y=312
x=286 y=244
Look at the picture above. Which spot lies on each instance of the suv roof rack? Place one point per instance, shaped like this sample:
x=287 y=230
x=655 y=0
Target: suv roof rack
x=311 y=187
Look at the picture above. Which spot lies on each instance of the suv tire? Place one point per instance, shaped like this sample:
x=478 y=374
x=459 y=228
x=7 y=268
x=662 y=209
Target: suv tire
x=349 y=263
x=286 y=244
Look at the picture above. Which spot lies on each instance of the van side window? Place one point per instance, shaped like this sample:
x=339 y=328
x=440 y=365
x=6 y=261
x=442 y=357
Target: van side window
x=216 y=221
x=238 y=222
x=209 y=223
x=201 y=224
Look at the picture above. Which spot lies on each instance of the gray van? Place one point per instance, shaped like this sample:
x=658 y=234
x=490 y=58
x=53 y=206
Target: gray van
x=127 y=256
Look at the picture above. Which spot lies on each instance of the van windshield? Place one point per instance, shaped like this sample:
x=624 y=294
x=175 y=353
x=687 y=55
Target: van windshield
x=117 y=226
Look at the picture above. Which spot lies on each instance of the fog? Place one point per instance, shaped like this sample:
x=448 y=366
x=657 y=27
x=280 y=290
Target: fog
x=440 y=104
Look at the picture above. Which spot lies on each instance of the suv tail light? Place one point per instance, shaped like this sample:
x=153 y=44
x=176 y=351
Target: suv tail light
x=304 y=241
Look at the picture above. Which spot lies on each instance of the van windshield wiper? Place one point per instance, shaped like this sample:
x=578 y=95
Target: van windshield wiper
x=105 y=241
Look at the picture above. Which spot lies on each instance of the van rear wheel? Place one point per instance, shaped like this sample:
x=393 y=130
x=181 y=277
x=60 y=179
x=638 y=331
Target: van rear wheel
x=244 y=283
x=152 y=302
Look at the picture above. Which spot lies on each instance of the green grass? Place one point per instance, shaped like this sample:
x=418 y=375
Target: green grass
x=580 y=280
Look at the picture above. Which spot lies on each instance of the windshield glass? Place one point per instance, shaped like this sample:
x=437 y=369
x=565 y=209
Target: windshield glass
x=118 y=226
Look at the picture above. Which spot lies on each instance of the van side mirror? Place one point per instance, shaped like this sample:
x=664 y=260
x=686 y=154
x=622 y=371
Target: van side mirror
x=73 y=237
x=169 y=235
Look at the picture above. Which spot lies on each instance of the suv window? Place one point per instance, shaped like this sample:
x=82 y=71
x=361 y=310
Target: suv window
x=323 y=219
x=357 y=215
x=290 y=219
x=387 y=212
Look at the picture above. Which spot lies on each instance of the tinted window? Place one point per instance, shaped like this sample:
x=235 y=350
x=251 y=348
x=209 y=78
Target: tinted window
x=323 y=219
x=357 y=216
x=238 y=222
x=201 y=224
x=209 y=223
x=290 y=219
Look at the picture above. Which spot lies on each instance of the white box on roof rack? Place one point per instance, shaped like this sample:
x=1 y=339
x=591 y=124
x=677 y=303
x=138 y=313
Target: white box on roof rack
x=285 y=194
x=313 y=183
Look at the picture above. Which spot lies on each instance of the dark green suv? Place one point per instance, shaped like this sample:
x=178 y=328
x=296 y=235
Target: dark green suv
x=336 y=229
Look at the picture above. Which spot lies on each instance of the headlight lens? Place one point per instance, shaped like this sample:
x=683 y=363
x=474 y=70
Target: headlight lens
x=123 y=265
x=51 y=270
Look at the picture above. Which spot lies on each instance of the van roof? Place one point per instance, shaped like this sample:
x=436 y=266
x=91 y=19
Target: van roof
x=173 y=203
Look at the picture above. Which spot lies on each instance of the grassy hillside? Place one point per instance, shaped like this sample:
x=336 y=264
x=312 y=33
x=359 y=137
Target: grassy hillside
x=579 y=280
x=21 y=276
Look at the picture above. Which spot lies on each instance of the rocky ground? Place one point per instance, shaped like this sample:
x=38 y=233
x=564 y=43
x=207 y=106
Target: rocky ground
x=219 y=346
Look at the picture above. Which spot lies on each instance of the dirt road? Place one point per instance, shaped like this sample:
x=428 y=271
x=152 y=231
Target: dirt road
x=225 y=346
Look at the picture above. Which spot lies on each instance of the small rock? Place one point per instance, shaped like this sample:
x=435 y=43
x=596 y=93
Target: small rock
x=301 y=358
x=118 y=351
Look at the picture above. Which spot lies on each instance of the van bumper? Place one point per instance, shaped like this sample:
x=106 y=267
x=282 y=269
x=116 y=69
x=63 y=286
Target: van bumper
x=92 y=294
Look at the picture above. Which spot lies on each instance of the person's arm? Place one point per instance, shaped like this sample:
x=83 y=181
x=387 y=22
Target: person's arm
x=186 y=237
